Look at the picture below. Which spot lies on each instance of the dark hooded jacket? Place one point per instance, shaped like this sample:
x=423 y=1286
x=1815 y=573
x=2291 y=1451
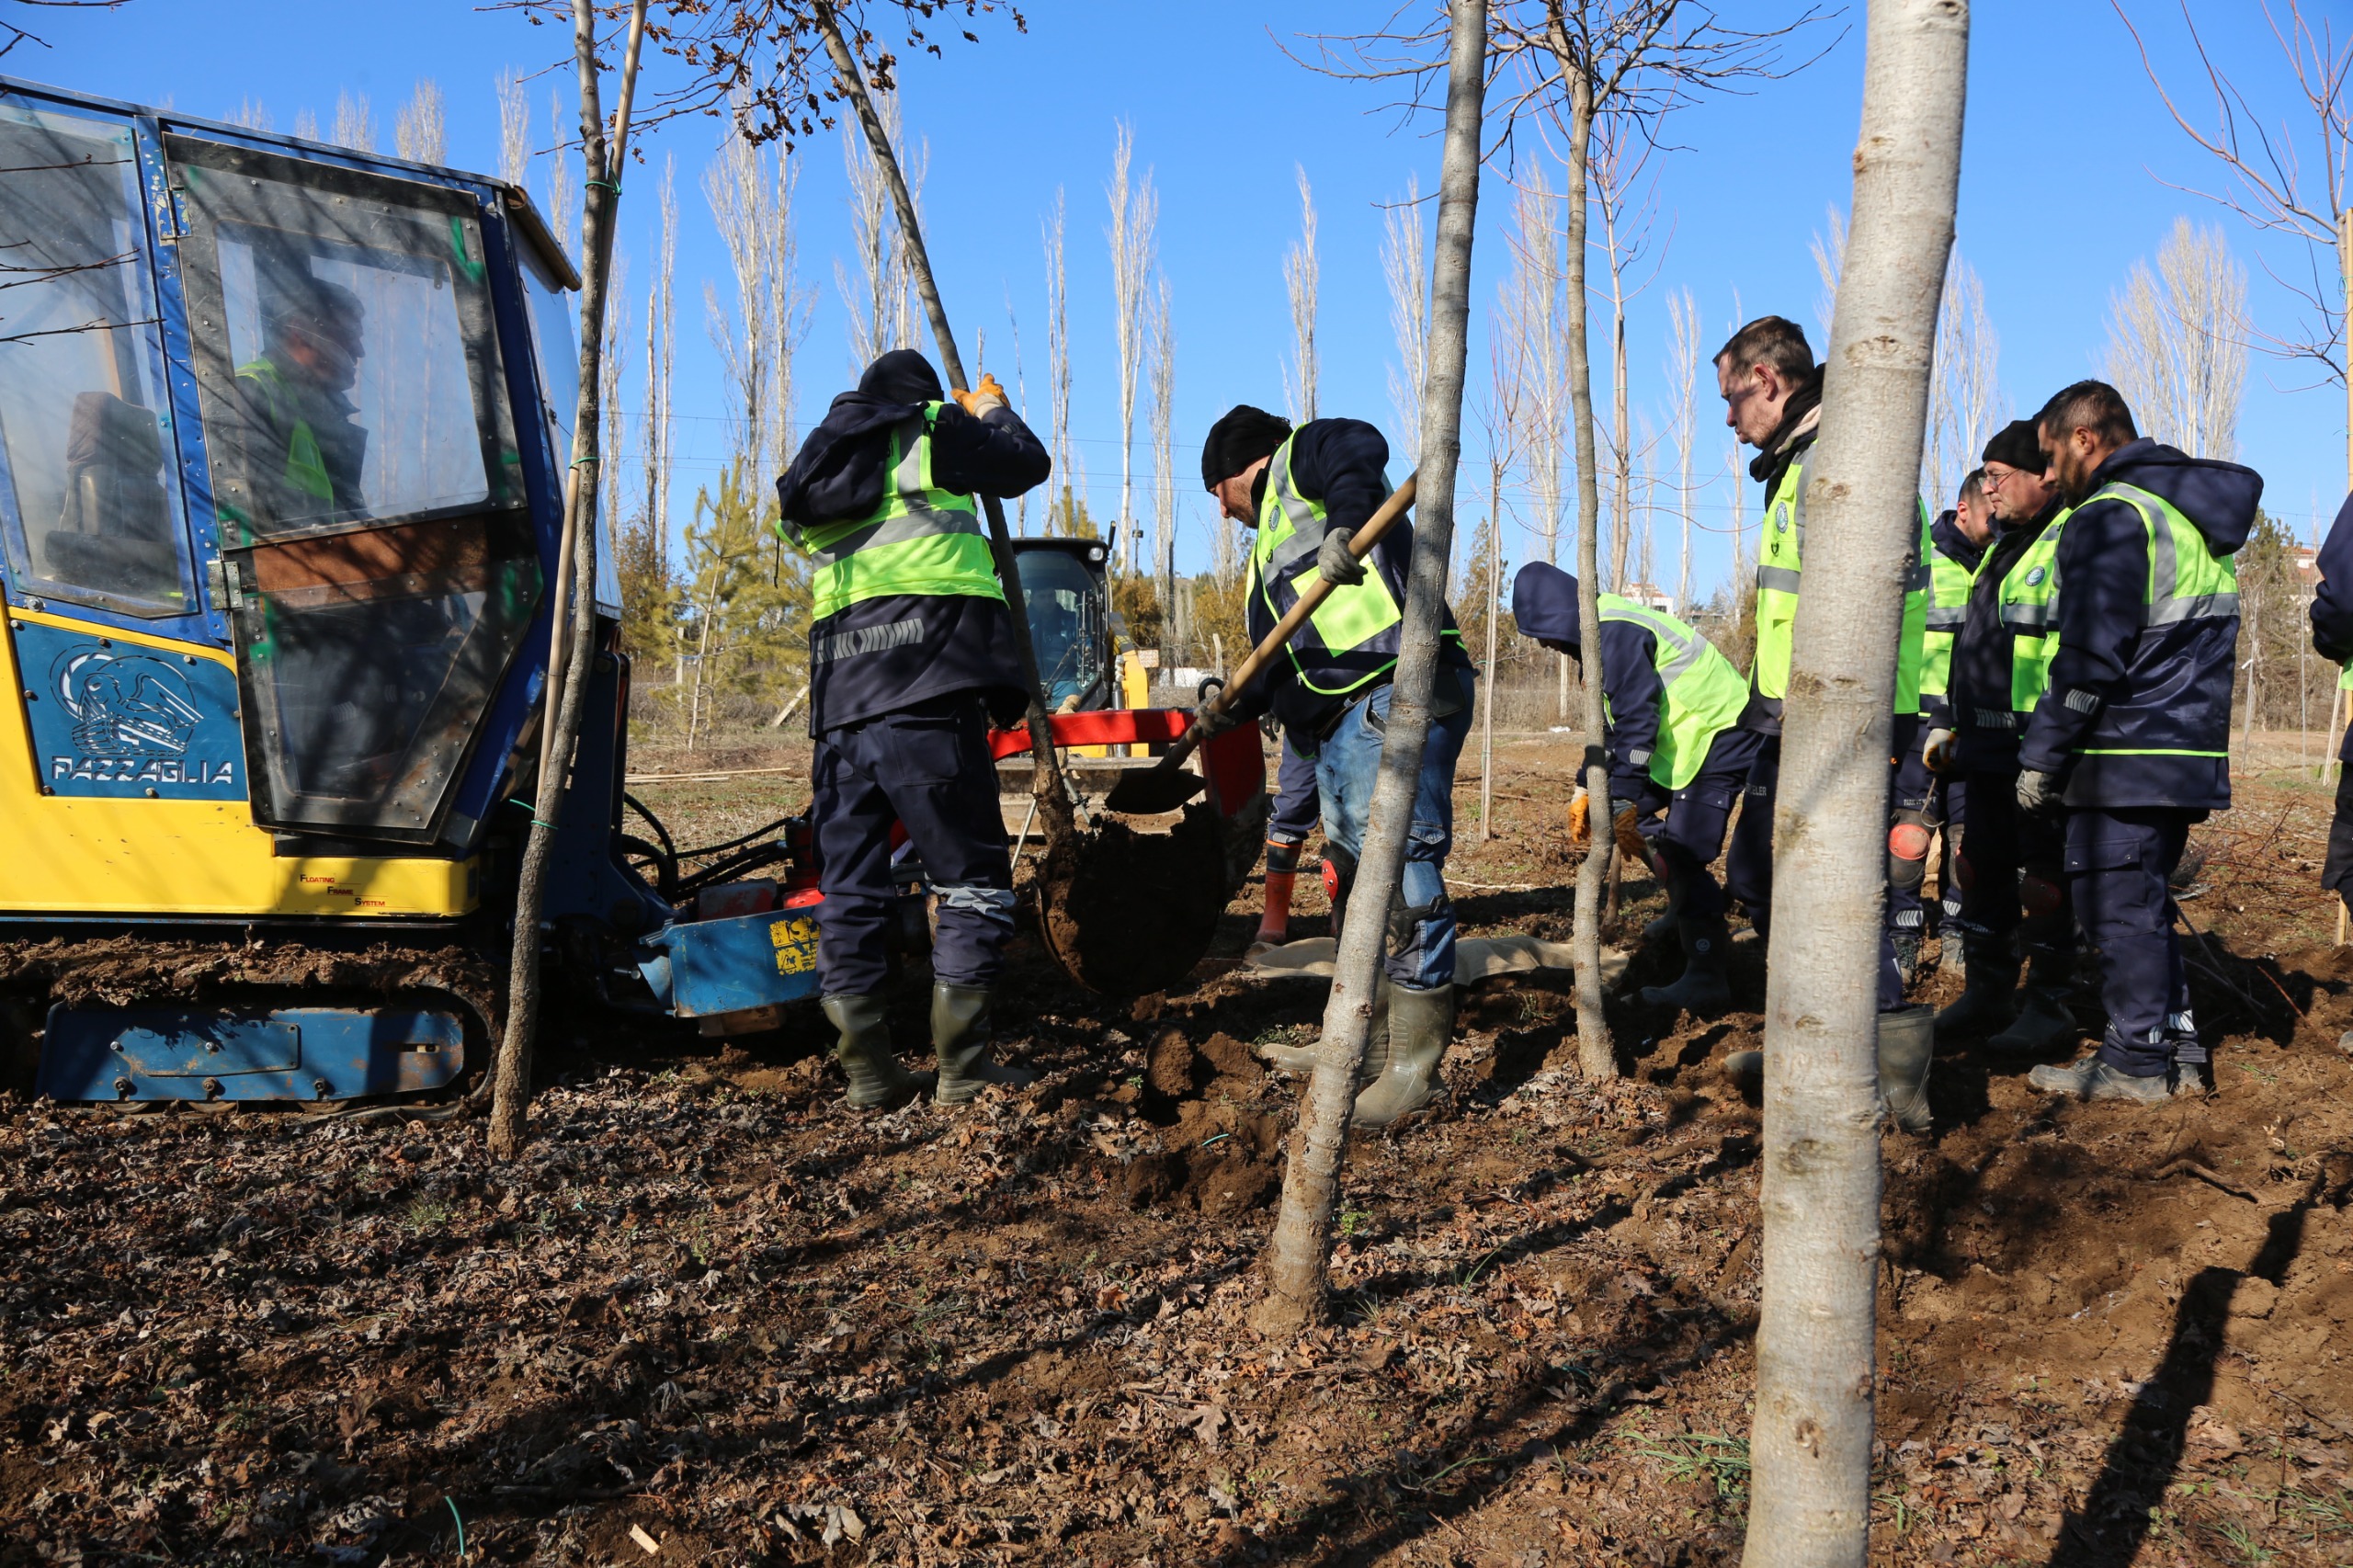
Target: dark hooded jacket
x=2130 y=706
x=1977 y=694
x=2333 y=599
x=885 y=654
x=1544 y=606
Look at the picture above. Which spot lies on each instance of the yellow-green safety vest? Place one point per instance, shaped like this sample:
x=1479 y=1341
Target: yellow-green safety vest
x=1361 y=621
x=306 y=466
x=1780 y=572
x=1704 y=694
x=1944 y=615
x=921 y=539
x=2028 y=604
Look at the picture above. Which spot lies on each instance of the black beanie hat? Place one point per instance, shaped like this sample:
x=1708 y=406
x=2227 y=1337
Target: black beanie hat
x=2017 y=446
x=1241 y=437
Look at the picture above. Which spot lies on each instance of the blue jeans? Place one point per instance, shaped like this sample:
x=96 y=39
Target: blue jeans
x=1420 y=954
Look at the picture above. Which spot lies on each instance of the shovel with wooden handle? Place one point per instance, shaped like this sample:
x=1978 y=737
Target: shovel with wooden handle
x=1166 y=785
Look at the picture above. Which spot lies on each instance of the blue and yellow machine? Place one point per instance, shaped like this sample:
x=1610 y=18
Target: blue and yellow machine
x=282 y=432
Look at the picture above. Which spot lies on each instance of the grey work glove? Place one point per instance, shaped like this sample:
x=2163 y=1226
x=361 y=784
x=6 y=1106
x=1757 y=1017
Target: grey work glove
x=1213 y=721
x=1937 y=752
x=1333 y=561
x=2038 y=792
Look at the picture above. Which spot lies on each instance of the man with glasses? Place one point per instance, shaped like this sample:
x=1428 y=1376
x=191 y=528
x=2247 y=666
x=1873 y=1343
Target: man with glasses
x=2010 y=872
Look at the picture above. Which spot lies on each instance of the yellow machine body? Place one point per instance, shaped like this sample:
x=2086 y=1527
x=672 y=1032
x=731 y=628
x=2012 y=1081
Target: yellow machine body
x=128 y=858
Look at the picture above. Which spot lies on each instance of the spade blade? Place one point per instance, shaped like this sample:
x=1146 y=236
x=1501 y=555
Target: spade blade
x=1162 y=787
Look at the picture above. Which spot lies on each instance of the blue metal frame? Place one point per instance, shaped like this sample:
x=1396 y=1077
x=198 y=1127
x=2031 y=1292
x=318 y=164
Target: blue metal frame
x=231 y=1053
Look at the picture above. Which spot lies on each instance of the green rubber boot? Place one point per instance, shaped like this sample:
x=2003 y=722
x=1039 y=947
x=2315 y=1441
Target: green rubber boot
x=1907 y=1046
x=960 y=1036
x=1702 y=991
x=864 y=1052
x=1419 y=1025
x=1746 y=1071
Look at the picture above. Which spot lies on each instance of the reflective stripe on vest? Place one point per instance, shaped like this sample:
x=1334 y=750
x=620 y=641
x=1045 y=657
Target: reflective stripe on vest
x=921 y=539
x=306 y=466
x=1947 y=611
x=2186 y=581
x=1704 y=695
x=2028 y=605
x=1780 y=568
x=1283 y=564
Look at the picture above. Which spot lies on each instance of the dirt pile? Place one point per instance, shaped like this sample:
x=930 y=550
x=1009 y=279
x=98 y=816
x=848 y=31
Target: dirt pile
x=1219 y=1154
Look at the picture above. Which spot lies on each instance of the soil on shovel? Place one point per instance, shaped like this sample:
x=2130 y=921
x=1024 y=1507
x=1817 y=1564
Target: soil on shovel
x=1127 y=912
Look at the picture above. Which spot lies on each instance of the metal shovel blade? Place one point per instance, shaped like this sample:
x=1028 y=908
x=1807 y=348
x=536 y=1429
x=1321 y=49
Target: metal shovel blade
x=1163 y=787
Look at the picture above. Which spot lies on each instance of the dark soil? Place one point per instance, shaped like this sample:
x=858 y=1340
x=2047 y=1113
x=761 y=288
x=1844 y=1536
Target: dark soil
x=1129 y=911
x=713 y=1308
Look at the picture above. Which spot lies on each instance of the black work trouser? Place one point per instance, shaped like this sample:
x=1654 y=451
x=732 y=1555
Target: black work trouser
x=926 y=767
x=2014 y=889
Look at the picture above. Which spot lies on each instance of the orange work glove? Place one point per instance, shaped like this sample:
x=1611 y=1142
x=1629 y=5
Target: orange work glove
x=1580 y=820
x=987 y=396
x=1629 y=836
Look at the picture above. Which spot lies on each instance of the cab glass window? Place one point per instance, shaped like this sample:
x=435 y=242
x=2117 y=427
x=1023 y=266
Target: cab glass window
x=345 y=345
x=1060 y=595
x=87 y=487
x=379 y=553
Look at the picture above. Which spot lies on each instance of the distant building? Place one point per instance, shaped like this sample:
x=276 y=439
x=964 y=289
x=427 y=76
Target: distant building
x=1650 y=596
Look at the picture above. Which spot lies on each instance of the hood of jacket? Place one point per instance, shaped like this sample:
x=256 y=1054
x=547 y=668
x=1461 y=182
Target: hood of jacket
x=838 y=473
x=1946 y=534
x=1544 y=604
x=2220 y=498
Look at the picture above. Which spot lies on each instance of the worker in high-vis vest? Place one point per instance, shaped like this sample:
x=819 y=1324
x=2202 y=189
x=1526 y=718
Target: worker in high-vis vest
x=294 y=436
x=2134 y=732
x=1306 y=492
x=911 y=656
x=2331 y=614
x=1927 y=808
x=1772 y=392
x=2015 y=909
x=1677 y=758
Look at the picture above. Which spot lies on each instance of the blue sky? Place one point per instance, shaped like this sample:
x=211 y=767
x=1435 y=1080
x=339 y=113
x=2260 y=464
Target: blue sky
x=2064 y=182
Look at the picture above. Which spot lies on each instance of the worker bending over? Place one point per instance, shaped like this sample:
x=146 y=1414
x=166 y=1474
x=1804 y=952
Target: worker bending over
x=2133 y=735
x=1772 y=392
x=911 y=654
x=2013 y=877
x=1924 y=802
x=1306 y=492
x=1677 y=757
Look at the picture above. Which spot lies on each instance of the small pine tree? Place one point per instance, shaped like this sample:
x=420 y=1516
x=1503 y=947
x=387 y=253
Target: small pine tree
x=743 y=616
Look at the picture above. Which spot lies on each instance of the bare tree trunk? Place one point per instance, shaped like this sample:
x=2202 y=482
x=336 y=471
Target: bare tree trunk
x=1811 y=1440
x=1052 y=796
x=1595 y=1057
x=1298 y=1257
x=510 y=1102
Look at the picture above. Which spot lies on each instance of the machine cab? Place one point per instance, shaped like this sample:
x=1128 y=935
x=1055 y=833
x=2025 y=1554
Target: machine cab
x=279 y=487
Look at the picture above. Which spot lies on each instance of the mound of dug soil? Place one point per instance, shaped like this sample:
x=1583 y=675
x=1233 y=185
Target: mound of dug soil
x=1219 y=1154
